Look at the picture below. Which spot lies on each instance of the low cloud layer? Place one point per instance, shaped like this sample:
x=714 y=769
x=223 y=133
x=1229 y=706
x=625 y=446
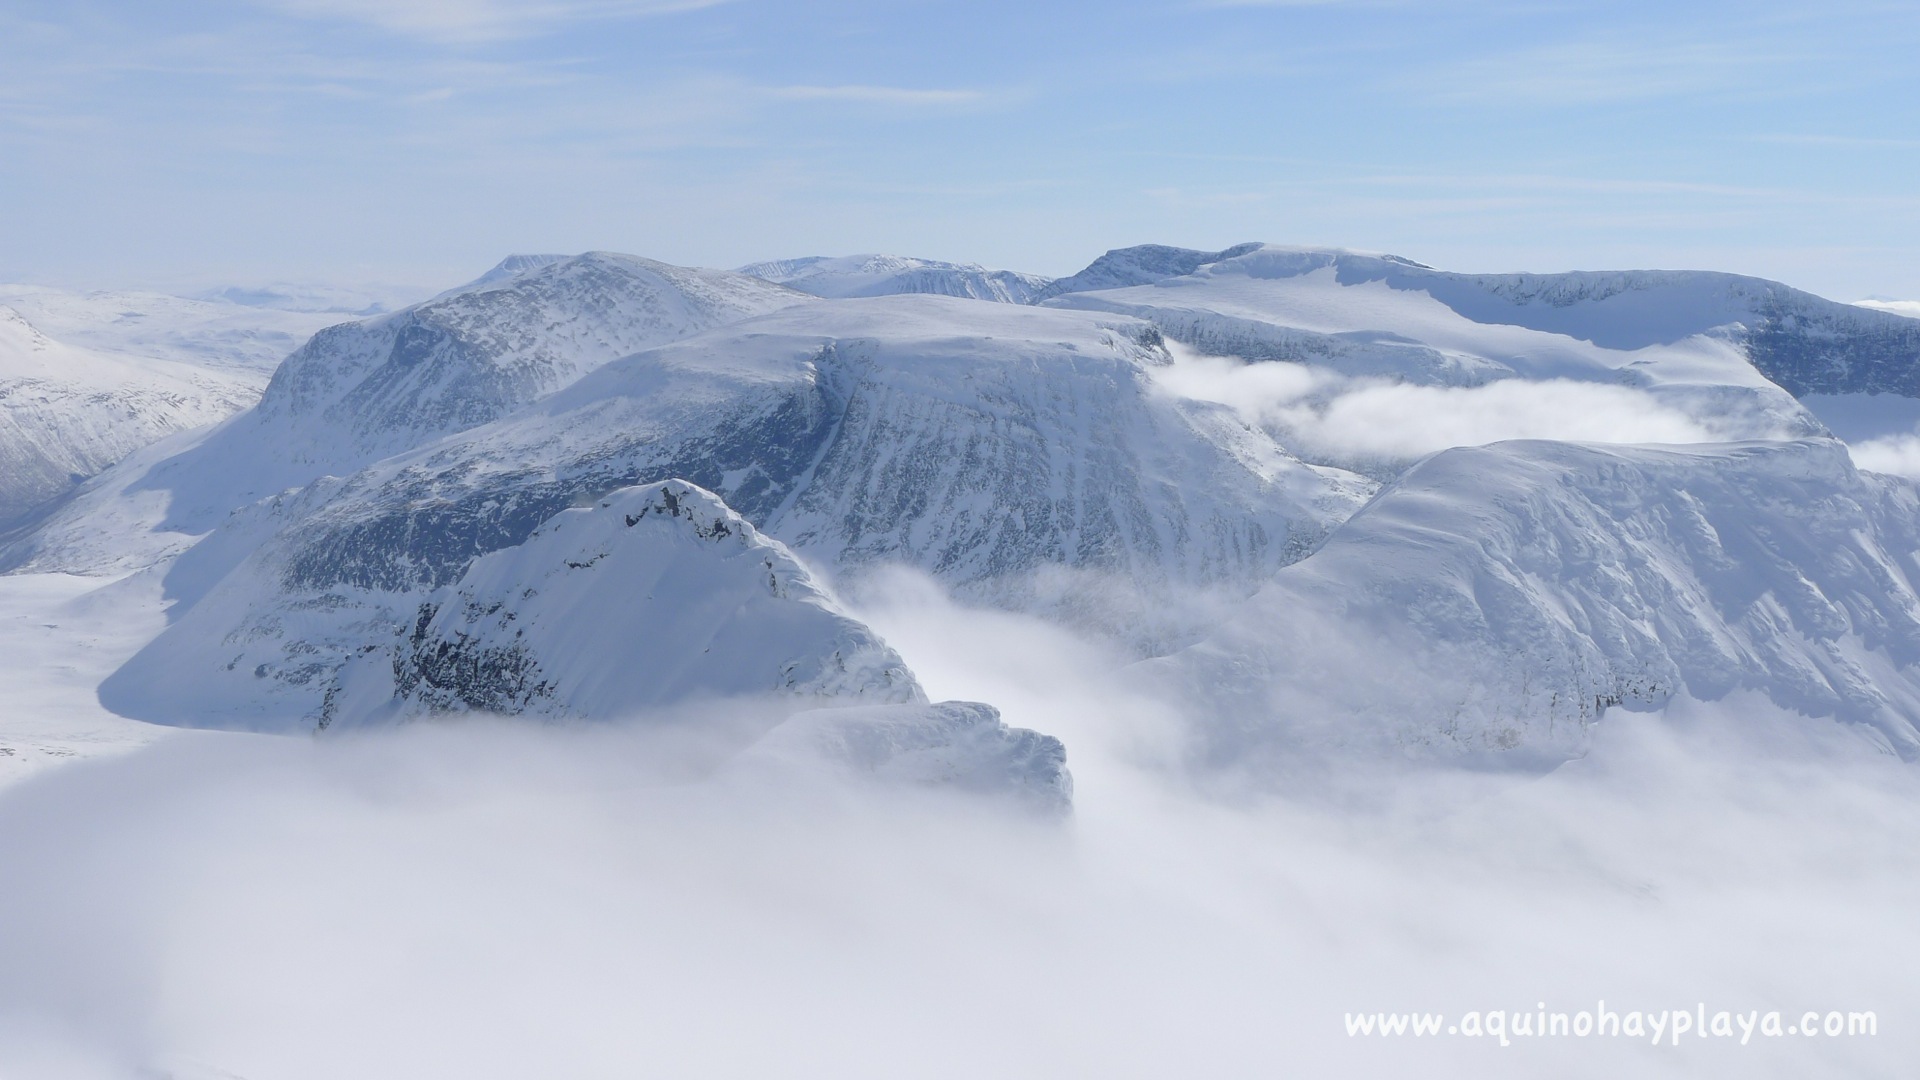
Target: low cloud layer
x=506 y=900
x=1898 y=455
x=1329 y=416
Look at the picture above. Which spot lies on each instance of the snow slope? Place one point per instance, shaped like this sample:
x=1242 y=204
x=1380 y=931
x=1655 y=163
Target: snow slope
x=1494 y=602
x=66 y=412
x=888 y=275
x=653 y=595
x=361 y=391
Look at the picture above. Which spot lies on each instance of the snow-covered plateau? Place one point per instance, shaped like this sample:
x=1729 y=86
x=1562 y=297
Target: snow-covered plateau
x=1117 y=674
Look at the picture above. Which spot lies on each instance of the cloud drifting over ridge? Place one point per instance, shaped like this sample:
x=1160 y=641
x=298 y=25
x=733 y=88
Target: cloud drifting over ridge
x=1328 y=415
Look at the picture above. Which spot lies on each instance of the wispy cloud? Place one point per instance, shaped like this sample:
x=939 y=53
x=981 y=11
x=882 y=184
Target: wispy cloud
x=477 y=20
x=1602 y=71
x=879 y=95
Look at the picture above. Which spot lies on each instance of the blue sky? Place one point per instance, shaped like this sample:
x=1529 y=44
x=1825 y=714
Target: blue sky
x=417 y=141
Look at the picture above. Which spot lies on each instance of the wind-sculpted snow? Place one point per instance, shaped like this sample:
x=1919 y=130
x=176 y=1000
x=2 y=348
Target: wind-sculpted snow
x=889 y=275
x=1495 y=602
x=66 y=412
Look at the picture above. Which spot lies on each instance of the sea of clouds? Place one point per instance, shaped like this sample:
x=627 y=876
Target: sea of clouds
x=494 y=899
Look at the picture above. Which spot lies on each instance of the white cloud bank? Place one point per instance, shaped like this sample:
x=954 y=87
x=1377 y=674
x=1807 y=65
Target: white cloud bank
x=494 y=901
x=1331 y=416
x=1898 y=455
x=477 y=20
x=1898 y=307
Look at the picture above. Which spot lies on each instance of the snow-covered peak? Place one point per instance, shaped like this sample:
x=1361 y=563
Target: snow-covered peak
x=654 y=595
x=471 y=355
x=513 y=266
x=1142 y=264
x=887 y=275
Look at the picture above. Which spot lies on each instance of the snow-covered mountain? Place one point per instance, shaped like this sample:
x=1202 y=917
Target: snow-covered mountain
x=1003 y=449
x=1265 y=302
x=68 y=412
x=652 y=573
x=360 y=391
x=363 y=390
x=1142 y=264
x=1616 y=310
x=1088 y=458
x=653 y=597
x=1494 y=602
x=889 y=275
x=513 y=266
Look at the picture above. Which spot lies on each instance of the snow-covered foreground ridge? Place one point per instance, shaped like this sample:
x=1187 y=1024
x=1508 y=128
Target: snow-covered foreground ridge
x=425 y=512
x=653 y=598
x=1496 y=601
